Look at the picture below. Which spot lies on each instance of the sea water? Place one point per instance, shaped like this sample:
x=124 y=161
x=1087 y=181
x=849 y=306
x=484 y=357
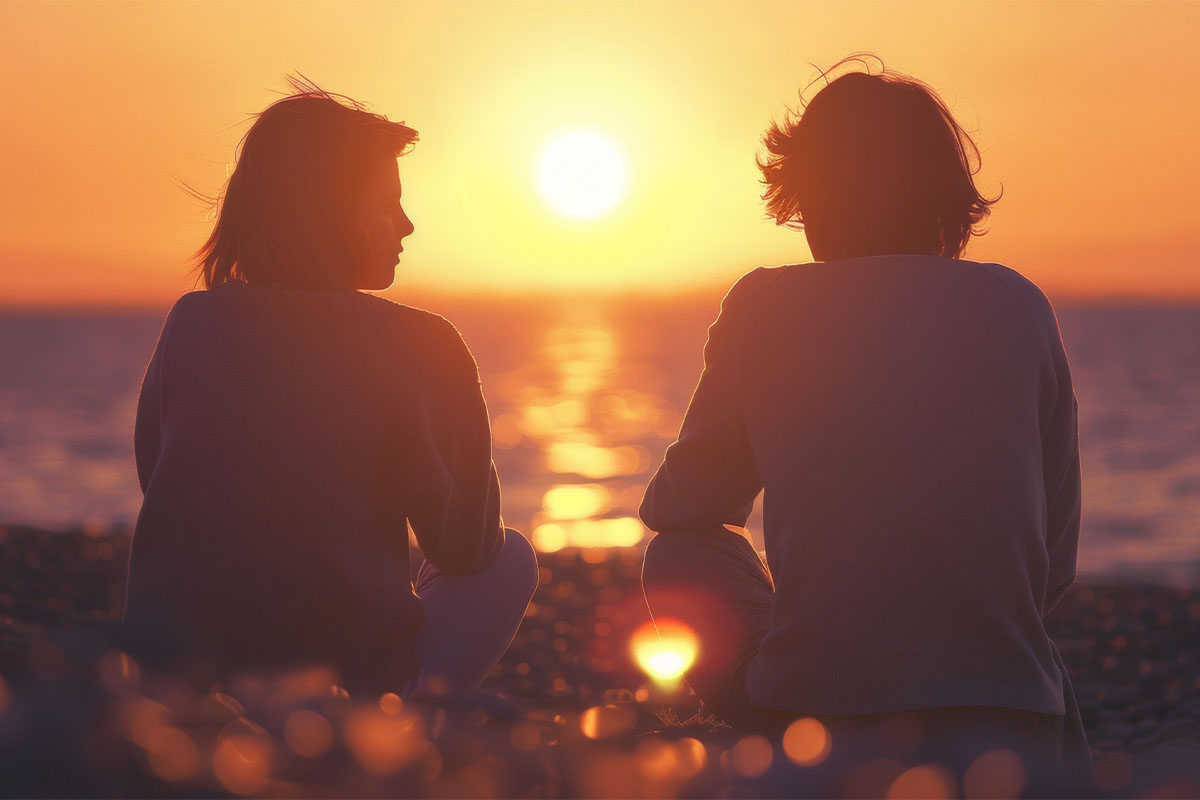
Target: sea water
x=584 y=398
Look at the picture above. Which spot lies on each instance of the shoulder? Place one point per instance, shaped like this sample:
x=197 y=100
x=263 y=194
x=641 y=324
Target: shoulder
x=185 y=310
x=751 y=289
x=436 y=338
x=1029 y=293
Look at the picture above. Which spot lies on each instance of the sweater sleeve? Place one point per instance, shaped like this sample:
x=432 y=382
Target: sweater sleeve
x=454 y=508
x=147 y=426
x=708 y=477
x=1061 y=472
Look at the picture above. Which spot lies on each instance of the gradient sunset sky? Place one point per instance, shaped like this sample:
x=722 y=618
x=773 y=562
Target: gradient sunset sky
x=1086 y=113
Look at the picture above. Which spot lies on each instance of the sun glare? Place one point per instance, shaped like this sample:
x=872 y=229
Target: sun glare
x=582 y=175
x=665 y=649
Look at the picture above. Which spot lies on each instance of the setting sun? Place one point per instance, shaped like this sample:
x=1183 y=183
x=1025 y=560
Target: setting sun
x=582 y=175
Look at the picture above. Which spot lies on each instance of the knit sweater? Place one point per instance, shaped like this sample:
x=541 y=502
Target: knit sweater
x=911 y=423
x=283 y=440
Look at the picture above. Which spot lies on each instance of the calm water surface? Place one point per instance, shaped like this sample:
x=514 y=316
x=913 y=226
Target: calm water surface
x=586 y=396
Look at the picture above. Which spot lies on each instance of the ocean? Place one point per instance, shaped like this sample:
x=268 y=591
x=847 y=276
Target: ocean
x=585 y=395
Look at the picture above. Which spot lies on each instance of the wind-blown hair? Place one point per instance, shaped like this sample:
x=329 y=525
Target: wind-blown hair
x=286 y=215
x=874 y=164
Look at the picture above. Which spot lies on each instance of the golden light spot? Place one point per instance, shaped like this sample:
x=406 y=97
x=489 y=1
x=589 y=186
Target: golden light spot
x=926 y=782
x=600 y=722
x=119 y=673
x=172 y=754
x=576 y=501
x=525 y=736
x=615 y=532
x=594 y=555
x=657 y=760
x=138 y=719
x=384 y=743
x=506 y=431
x=806 y=742
x=390 y=703
x=549 y=538
x=693 y=758
x=995 y=774
x=751 y=756
x=568 y=413
x=536 y=422
x=665 y=649
x=308 y=733
x=242 y=763
x=591 y=461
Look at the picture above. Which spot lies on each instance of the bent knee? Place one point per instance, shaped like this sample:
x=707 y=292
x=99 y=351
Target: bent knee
x=662 y=557
x=519 y=561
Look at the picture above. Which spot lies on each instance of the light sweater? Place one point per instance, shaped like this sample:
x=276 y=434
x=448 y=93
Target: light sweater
x=283 y=439
x=912 y=424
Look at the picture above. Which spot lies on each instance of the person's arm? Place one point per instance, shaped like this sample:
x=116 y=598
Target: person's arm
x=1060 y=465
x=147 y=427
x=454 y=508
x=708 y=477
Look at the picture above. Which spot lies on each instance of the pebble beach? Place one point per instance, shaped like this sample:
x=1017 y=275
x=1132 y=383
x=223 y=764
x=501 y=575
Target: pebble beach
x=566 y=713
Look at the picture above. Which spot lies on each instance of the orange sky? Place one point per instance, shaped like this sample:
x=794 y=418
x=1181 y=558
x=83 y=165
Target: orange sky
x=1085 y=112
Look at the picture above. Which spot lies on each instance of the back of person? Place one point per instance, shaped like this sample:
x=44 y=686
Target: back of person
x=274 y=523
x=895 y=407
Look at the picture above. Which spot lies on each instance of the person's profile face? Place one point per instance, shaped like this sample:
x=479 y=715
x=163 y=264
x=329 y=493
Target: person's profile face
x=384 y=225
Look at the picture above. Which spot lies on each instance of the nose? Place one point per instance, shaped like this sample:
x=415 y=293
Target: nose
x=404 y=225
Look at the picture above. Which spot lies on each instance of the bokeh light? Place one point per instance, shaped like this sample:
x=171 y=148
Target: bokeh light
x=601 y=722
x=390 y=703
x=549 y=537
x=926 y=782
x=308 y=733
x=751 y=757
x=172 y=754
x=807 y=742
x=576 y=501
x=665 y=649
x=242 y=763
x=995 y=774
x=384 y=743
x=525 y=736
x=592 y=461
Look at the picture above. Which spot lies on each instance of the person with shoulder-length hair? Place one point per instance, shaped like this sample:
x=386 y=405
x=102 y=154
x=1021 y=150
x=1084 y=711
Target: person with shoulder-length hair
x=910 y=419
x=291 y=428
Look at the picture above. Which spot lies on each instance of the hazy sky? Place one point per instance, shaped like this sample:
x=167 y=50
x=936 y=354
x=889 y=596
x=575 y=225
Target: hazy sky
x=1085 y=112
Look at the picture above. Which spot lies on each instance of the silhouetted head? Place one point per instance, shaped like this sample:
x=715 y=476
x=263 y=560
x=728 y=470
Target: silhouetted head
x=874 y=164
x=314 y=199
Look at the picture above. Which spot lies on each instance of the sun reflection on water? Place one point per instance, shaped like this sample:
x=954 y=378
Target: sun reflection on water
x=575 y=419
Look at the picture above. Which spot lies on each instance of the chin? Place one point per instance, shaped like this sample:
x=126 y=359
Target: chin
x=378 y=283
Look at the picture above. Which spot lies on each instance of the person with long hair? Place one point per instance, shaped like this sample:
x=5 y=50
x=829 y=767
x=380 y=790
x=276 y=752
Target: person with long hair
x=291 y=428
x=910 y=419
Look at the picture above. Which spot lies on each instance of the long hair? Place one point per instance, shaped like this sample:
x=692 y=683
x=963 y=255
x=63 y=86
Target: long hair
x=286 y=214
x=874 y=164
